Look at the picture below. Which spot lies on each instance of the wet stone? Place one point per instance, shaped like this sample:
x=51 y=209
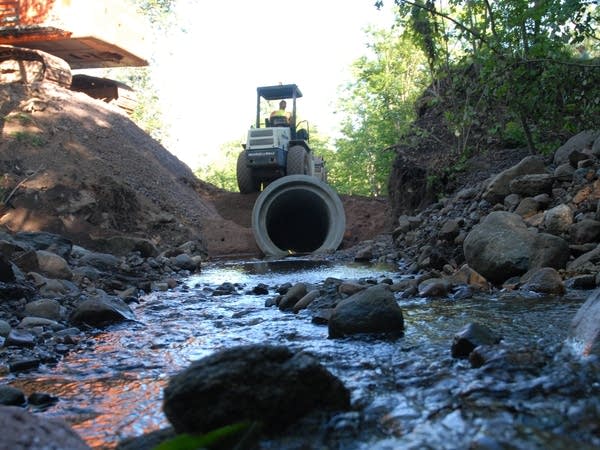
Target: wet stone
x=42 y=399
x=22 y=365
x=11 y=396
x=471 y=336
x=18 y=338
x=224 y=289
x=260 y=289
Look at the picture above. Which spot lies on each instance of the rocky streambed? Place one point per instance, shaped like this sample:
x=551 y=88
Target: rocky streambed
x=482 y=332
x=475 y=368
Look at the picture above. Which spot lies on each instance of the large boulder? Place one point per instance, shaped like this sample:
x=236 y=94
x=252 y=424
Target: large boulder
x=264 y=383
x=22 y=430
x=585 y=327
x=499 y=247
x=581 y=142
x=499 y=186
x=373 y=310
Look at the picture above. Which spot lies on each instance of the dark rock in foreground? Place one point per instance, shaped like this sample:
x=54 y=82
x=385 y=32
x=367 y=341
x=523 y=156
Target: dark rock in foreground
x=263 y=383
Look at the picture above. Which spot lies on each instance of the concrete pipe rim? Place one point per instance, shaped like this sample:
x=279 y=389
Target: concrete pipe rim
x=306 y=186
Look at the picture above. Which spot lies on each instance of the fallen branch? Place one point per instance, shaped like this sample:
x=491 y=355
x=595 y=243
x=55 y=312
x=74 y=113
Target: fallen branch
x=6 y=200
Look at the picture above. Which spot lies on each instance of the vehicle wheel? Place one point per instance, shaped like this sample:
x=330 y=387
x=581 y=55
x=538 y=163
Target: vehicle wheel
x=299 y=161
x=245 y=180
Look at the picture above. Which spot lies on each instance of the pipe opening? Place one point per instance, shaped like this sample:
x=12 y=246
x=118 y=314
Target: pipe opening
x=298 y=221
x=298 y=214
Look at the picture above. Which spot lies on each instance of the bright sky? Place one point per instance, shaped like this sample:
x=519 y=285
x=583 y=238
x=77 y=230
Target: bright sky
x=208 y=76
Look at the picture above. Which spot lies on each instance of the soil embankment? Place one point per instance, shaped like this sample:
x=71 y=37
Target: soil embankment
x=86 y=171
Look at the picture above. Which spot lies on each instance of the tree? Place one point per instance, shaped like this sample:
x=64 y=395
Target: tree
x=222 y=173
x=378 y=108
x=522 y=51
x=147 y=114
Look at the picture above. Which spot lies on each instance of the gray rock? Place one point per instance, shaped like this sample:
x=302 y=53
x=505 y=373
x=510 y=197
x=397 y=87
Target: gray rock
x=292 y=296
x=52 y=288
x=45 y=307
x=269 y=384
x=373 y=310
x=588 y=259
x=305 y=301
x=588 y=230
x=585 y=327
x=544 y=281
x=19 y=338
x=101 y=310
x=511 y=201
x=504 y=357
x=184 y=262
x=564 y=172
x=434 y=287
x=102 y=261
x=586 y=282
x=548 y=250
x=499 y=247
x=31 y=322
x=22 y=430
x=11 y=396
x=40 y=240
x=559 y=219
x=527 y=207
x=499 y=186
x=449 y=230
x=532 y=184
x=471 y=336
x=4 y=328
x=582 y=142
x=53 y=265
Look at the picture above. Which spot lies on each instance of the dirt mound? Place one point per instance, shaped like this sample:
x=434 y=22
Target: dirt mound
x=79 y=167
x=85 y=170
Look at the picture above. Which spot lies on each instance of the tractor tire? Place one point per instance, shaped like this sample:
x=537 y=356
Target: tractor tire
x=299 y=161
x=247 y=184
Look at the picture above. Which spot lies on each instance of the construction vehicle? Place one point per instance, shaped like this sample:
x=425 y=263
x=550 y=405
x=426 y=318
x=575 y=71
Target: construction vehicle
x=43 y=40
x=276 y=146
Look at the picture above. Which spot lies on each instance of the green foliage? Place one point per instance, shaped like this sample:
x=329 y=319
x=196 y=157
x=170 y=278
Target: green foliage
x=21 y=117
x=222 y=172
x=157 y=11
x=513 y=60
x=378 y=108
x=235 y=434
x=147 y=114
x=28 y=138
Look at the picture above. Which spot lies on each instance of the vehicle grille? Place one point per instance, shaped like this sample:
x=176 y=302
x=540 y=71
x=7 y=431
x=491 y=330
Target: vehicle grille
x=261 y=132
x=261 y=137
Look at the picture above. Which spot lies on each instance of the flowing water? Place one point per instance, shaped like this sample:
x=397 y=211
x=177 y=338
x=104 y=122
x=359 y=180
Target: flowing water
x=406 y=393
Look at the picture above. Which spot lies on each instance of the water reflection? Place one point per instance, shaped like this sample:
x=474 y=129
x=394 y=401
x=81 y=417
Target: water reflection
x=407 y=388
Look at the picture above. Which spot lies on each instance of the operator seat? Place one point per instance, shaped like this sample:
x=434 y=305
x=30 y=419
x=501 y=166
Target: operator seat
x=279 y=121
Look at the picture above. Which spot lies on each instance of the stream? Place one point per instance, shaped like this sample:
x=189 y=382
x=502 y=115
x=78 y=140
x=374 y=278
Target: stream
x=407 y=393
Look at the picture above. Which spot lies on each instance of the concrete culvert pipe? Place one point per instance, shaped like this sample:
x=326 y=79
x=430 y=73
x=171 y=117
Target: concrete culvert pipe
x=298 y=214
